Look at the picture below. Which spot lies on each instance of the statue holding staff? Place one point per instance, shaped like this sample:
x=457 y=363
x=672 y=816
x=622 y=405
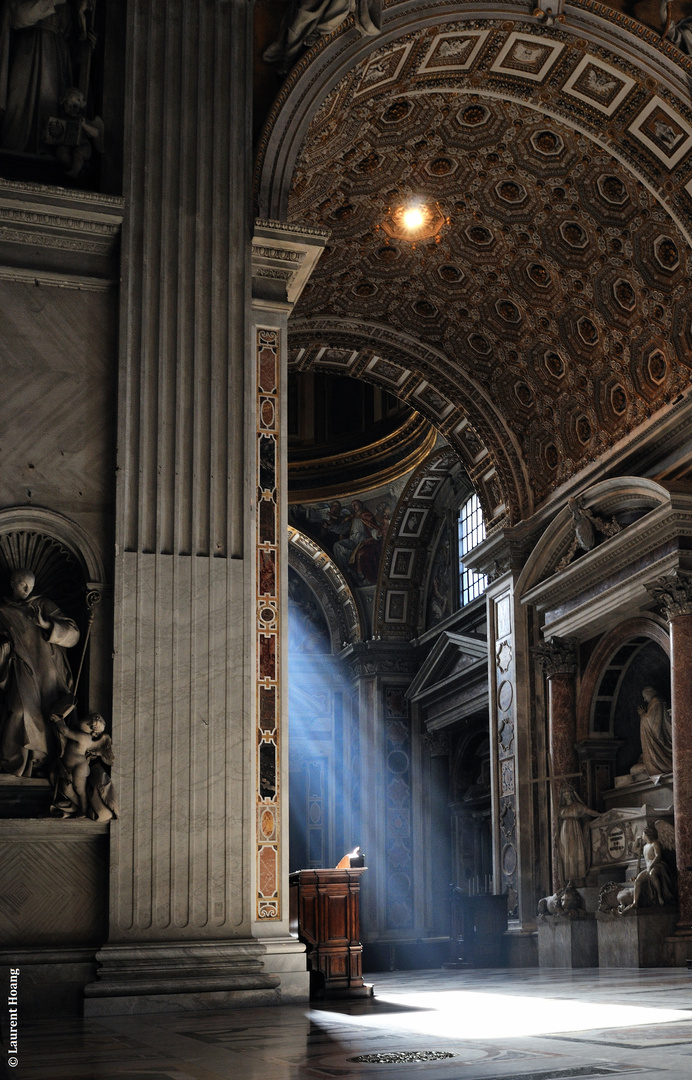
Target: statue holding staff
x=34 y=674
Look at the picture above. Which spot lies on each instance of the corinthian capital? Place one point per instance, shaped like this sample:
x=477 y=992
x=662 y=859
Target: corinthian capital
x=437 y=742
x=557 y=656
x=673 y=593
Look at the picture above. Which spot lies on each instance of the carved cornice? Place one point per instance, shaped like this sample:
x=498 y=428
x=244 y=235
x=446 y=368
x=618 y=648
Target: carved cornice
x=557 y=656
x=380 y=658
x=48 y=221
x=673 y=592
x=283 y=257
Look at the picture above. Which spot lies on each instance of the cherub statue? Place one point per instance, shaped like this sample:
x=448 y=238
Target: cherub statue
x=72 y=135
x=586 y=525
x=83 y=786
x=654 y=884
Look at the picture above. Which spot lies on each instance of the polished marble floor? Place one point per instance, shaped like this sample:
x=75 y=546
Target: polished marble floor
x=524 y=1024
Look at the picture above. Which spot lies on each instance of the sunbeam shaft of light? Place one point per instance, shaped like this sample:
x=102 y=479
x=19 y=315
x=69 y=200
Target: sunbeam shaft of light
x=469 y=1015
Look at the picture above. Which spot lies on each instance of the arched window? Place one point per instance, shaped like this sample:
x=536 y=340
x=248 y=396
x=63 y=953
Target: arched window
x=471 y=533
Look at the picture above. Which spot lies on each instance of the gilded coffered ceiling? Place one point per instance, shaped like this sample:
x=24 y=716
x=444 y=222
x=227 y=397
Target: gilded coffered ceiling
x=549 y=314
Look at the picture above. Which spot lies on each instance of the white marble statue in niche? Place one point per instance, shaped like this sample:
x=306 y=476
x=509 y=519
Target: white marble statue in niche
x=34 y=675
x=46 y=48
x=574 y=841
x=656 y=736
x=83 y=786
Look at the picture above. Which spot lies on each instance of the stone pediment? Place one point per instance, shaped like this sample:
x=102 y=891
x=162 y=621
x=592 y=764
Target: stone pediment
x=451 y=658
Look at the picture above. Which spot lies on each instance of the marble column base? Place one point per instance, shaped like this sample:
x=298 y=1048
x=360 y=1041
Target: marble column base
x=163 y=976
x=520 y=948
x=640 y=939
x=680 y=945
x=52 y=980
x=567 y=943
x=285 y=958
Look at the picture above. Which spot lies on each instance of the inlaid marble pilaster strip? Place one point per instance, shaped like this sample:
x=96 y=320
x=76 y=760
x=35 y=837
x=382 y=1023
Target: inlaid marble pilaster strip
x=267 y=777
x=505 y=721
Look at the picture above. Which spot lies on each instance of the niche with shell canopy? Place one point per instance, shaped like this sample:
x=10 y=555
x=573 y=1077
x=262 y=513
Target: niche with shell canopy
x=68 y=572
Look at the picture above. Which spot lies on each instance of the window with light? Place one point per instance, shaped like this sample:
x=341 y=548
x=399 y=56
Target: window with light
x=471 y=533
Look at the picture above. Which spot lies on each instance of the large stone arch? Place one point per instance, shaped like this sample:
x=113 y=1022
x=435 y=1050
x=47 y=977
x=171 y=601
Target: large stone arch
x=329 y=586
x=453 y=402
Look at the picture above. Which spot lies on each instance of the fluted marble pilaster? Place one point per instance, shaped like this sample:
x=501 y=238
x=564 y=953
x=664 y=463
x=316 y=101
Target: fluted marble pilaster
x=182 y=726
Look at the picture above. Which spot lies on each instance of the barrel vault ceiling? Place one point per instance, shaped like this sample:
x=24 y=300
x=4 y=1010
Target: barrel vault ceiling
x=549 y=316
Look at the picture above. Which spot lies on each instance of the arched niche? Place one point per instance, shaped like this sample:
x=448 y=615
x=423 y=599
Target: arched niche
x=35 y=519
x=611 y=666
x=70 y=572
x=632 y=655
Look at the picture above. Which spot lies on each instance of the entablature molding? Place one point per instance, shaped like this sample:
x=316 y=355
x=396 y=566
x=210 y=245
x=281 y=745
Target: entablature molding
x=283 y=258
x=58 y=236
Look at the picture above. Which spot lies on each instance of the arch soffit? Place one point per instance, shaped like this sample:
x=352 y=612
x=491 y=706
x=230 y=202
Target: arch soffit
x=61 y=528
x=606 y=499
x=398 y=609
x=649 y=626
x=332 y=590
x=662 y=67
x=424 y=377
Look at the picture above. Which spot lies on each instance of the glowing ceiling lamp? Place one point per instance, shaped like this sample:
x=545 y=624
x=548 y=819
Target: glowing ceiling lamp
x=417 y=219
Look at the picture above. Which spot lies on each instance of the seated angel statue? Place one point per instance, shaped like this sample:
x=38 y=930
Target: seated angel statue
x=654 y=884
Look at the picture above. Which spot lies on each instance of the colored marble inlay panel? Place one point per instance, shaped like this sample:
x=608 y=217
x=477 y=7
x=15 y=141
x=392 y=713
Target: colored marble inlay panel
x=268 y=793
x=398 y=825
x=506 y=743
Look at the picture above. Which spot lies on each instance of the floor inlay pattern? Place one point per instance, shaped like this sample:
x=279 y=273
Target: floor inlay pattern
x=523 y=1024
